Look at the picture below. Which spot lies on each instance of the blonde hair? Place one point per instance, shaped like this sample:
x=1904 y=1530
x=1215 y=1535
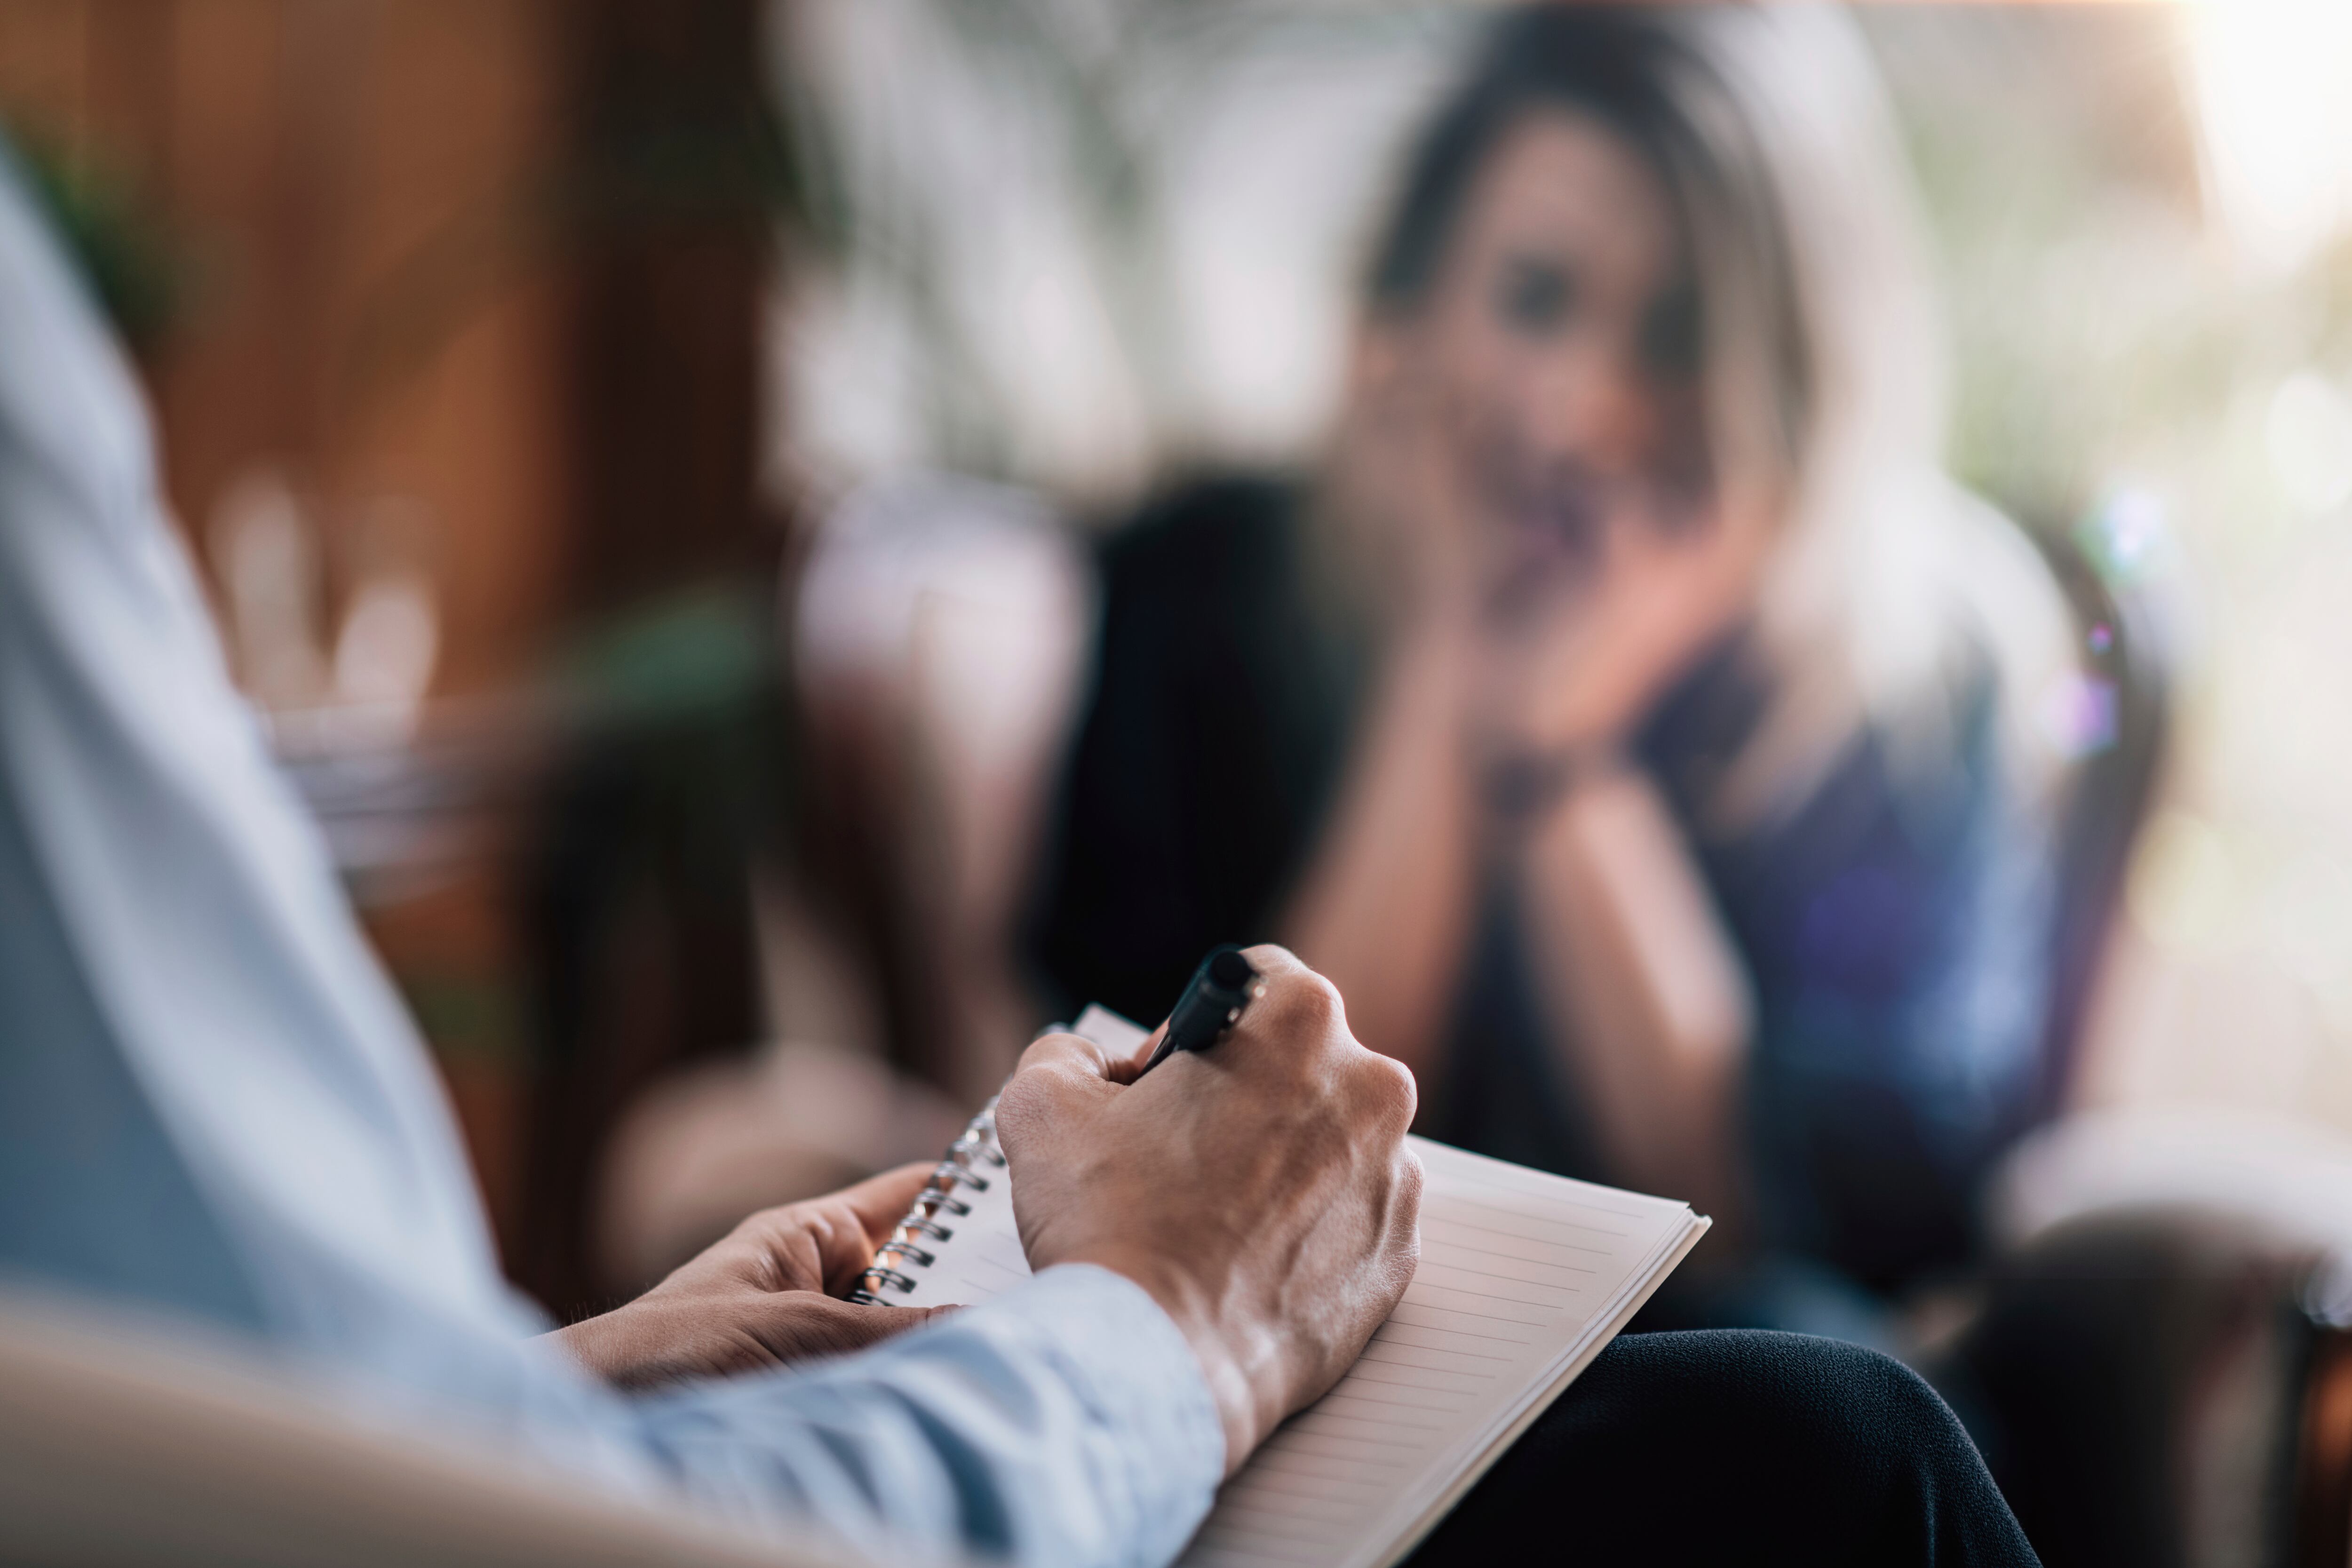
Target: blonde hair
x=1889 y=576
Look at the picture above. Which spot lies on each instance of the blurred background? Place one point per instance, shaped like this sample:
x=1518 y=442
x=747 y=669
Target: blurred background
x=650 y=465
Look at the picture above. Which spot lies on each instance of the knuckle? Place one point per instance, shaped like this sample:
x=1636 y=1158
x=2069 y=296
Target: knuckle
x=1391 y=1089
x=1408 y=1262
x=1411 y=1177
x=1271 y=958
x=1041 y=1051
x=1404 y=1210
x=1308 y=1003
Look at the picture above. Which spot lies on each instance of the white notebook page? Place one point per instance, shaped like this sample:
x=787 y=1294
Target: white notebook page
x=1524 y=1277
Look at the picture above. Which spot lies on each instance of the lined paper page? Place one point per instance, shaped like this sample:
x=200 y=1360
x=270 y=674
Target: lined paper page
x=1523 y=1277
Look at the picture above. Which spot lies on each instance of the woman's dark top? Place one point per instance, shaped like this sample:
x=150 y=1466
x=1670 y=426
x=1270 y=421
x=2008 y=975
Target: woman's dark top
x=1894 y=927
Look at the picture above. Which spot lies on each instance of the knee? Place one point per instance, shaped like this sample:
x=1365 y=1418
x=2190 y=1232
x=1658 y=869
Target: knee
x=1845 y=1393
x=1810 y=1406
x=1801 y=1439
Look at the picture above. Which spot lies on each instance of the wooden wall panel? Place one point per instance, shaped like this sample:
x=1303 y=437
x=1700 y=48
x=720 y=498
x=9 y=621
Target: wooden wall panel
x=422 y=277
x=363 y=308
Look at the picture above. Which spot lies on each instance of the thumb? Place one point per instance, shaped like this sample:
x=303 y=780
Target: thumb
x=802 y=1324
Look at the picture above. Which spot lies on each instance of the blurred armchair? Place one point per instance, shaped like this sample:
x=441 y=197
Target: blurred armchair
x=2156 y=1364
x=2115 y=714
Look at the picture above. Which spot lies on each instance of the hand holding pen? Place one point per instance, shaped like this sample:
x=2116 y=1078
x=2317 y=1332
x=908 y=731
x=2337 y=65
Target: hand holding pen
x=1220 y=1193
x=1211 y=1005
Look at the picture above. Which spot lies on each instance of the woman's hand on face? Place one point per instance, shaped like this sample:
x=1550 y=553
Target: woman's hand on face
x=766 y=1295
x=1395 y=480
x=1561 y=651
x=1581 y=670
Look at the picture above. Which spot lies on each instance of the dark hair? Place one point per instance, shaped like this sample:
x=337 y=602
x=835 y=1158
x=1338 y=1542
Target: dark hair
x=1638 y=69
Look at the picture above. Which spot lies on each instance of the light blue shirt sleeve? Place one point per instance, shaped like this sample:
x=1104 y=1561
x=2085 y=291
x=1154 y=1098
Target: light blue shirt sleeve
x=212 y=1102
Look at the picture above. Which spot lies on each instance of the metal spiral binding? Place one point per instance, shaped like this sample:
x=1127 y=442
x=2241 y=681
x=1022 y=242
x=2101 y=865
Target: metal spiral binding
x=976 y=1148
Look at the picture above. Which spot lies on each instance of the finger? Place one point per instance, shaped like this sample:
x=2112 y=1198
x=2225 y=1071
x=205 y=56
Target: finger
x=826 y=1242
x=1413 y=1179
x=1273 y=962
x=1068 y=1056
x=881 y=1202
x=802 y=1325
x=1059 y=1074
x=1277 y=967
x=1385 y=1093
x=1128 y=1067
x=795 y=1247
x=1404 y=1220
x=1295 y=1006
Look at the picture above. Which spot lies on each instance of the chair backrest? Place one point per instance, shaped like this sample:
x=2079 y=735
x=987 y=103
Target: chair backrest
x=2127 y=674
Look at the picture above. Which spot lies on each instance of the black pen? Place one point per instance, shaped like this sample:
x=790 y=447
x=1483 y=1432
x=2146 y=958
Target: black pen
x=1211 y=1003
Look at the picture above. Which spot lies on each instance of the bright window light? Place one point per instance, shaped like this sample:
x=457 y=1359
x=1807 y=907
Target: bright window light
x=2274 y=83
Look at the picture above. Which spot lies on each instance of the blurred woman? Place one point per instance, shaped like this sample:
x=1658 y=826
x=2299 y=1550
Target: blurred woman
x=1627 y=716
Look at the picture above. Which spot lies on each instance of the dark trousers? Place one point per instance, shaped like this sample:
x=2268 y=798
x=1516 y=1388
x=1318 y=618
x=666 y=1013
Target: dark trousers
x=1734 y=1447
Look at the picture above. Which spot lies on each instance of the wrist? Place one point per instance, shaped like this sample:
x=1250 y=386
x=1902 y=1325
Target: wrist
x=1523 y=788
x=1437 y=687
x=603 y=1344
x=1241 y=1370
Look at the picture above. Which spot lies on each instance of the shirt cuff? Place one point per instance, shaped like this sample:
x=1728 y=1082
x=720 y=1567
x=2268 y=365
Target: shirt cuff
x=1133 y=1365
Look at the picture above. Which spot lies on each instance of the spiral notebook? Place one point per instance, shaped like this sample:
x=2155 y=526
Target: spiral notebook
x=1524 y=1277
